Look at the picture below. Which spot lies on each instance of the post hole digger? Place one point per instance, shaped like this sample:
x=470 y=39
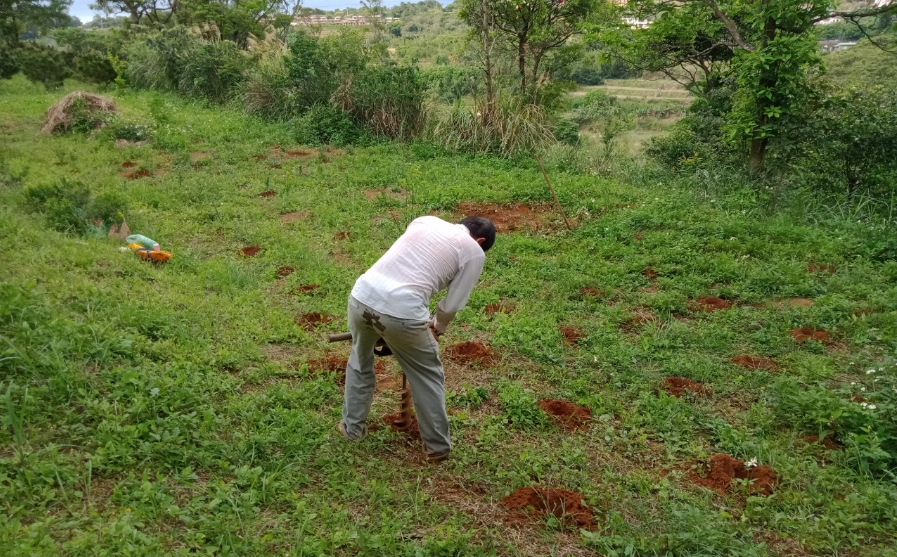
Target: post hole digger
x=381 y=350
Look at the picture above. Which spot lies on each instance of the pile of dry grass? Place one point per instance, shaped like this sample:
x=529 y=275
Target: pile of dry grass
x=60 y=116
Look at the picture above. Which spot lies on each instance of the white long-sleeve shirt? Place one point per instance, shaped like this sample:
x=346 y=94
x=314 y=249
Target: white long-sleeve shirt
x=431 y=255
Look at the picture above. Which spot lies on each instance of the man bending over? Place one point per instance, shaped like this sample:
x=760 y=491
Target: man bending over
x=391 y=301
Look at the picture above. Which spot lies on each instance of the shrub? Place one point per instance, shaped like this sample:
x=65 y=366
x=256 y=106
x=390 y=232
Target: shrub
x=326 y=124
x=317 y=67
x=43 y=64
x=387 y=101
x=70 y=207
x=265 y=90
x=129 y=130
x=210 y=69
x=88 y=53
x=566 y=131
x=450 y=84
x=519 y=406
x=515 y=128
x=587 y=76
x=9 y=60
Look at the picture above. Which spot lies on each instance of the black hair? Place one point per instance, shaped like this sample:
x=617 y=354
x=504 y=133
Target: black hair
x=480 y=227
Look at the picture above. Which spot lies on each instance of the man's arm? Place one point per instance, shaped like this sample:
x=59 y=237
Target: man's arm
x=458 y=292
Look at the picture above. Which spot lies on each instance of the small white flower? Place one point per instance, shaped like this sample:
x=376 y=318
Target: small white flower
x=871 y=407
x=863 y=389
x=745 y=256
x=853 y=382
x=732 y=238
x=870 y=372
x=595 y=359
x=751 y=463
x=864 y=405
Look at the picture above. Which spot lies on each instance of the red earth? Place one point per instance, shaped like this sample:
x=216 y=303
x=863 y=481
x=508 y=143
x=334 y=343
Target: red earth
x=828 y=443
x=677 y=386
x=799 y=302
x=803 y=334
x=471 y=353
x=565 y=413
x=298 y=154
x=639 y=318
x=710 y=303
x=250 y=251
x=310 y=321
x=269 y=193
x=307 y=288
x=492 y=309
x=538 y=502
x=134 y=174
x=295 y=215
x=343 y=235
x=128 y=164
x=724 y=468
x=572 y=334
x=285 y=271
x=816 y=268
x=650 y=274
x=411 y=429
x=330 y=363
x=511 y=217
x=591 y=291
x=755 y=362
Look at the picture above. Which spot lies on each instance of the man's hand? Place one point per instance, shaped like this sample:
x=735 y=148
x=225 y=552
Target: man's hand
x=432 y=327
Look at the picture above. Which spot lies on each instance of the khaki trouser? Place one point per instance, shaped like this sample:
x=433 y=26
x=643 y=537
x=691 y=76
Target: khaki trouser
x=417 y=352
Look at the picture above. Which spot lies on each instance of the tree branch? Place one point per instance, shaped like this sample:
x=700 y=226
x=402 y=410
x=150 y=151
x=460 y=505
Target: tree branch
x=868 y=12
x=730 y=25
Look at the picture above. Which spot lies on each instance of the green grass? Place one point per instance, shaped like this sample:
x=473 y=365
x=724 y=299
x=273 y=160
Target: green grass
x=169 y=409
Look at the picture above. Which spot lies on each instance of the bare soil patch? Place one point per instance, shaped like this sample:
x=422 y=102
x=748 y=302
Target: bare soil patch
x=592 y=292
x=411 y=430
x=285 y=271
x=197 y=156
x=135 y=174
x=269 y=193
x=299 y=153
x=799 y=302
x=724 y=468
x=650 y=274
x=310 y=321
x=566 y=414
x=343 y=235
x=294 y=215
x=827 y=443
x=755 y=362
x=470 y=353
x=571 y=334
x=330 y=363
x=261 y=157
x=539 y=502
x=305 y=288
x=676 y=386
x=128 y=164
x=640 y=318
x=803 y=334
x=863 y=312
x=710 y=304
x=512 y=217
x=817 y=268
x=492 y=309
x=250 y=251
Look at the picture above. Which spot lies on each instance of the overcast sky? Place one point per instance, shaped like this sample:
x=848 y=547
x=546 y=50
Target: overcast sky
x=81 y=8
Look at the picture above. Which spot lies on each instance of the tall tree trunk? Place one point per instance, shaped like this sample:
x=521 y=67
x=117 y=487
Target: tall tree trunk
x=768 y=80
x=758 y=154
x=521 y=62
x=487 y=52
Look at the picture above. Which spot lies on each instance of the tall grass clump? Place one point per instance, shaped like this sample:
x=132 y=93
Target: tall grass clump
x=388 y=101
x=512 y=128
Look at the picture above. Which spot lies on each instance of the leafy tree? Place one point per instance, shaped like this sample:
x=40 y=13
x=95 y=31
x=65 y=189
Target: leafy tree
x=17 y=16
x=530 y=29
x=155 y=11
x=767 y=46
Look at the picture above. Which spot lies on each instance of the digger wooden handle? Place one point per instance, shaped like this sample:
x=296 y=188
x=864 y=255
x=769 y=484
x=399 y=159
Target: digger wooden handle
x=339 y=338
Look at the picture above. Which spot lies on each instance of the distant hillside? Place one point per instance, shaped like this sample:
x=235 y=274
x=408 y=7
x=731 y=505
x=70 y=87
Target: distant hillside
x=864 y=64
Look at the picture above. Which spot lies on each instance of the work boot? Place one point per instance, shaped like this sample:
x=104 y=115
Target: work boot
x=343 y=433
x=434 y=458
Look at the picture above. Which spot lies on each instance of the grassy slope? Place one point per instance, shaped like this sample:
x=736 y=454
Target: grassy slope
x=168 y=407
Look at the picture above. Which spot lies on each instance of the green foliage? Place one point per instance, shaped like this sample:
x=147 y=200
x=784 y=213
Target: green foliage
x=471 y=396
x=43 y=64
x=450 y=84
x=89 y=53
x=326 y=124
x=120 y=128
x=374 y=101
x=85 y=120
x=70 y=206
x=566 y=131
x=519 y=406
x=864 y=64
x=514 y=129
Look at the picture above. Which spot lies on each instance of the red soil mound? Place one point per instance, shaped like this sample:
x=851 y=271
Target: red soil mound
x=565 y=413
x=329 y=363
x=650 y=274
x=572 y=334
x=492 y=309
x=411 y=429
x=677 y=386
x=539 y=501
x=724 y=469
x=510 y=217
x=250 y=251
x=591 y=291
x=710 y=303
x=828 y=443
x=307 y=288
x=815 y=268
x=295 y=215
x=343 y=235
x=128 y=164
x=269 y=193
x=285 y=271
x=639 y=318
x=298 y=154
x=133 y=175
x=471 y=353
x=755 y=362
x=803 y=334
x=311 y=320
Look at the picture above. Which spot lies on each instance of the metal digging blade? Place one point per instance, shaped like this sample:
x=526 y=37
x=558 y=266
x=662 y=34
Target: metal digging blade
x=404 y=420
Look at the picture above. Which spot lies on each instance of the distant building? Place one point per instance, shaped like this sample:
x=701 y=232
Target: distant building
x=844 y=46
x=339 y=20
